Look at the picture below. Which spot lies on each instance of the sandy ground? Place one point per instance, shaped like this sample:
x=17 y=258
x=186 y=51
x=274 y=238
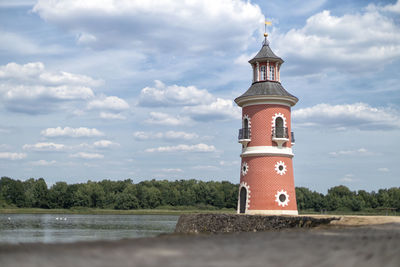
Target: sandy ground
x=337 y=245
x=360 y=220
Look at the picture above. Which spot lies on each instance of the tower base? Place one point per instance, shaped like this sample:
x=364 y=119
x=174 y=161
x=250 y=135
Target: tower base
x=272 y=212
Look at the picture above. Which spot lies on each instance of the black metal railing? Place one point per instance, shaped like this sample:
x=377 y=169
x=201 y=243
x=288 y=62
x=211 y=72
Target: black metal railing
x=244 y=133
x=292 y=137
x=280 y=132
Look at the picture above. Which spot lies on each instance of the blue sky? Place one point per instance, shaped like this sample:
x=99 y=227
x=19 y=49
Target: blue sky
x=144 y=89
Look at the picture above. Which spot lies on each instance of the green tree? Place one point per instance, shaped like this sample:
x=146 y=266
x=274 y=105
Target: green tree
x=127 y=199
x=90 y=195
x=12 y=191
x=40 y=194
x=58 y=195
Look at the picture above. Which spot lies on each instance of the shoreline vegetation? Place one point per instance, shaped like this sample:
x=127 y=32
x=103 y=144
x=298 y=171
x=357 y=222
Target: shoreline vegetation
x=176 y=197
x=179 y=211
x=159 y=211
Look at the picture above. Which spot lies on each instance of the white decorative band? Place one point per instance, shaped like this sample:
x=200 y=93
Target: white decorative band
x=267 y=99
x=272 y=212
x=265 y=102
x=267 y=151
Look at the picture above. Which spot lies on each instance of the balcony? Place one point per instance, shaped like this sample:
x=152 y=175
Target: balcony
x=244 y=136
x=280 y=135
x=292 y=137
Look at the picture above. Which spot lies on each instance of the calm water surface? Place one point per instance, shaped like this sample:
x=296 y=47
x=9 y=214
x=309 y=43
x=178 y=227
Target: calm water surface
x=54 y=228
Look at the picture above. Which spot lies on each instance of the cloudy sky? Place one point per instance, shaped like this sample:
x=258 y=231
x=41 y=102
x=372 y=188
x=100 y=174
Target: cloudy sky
x=144 y=89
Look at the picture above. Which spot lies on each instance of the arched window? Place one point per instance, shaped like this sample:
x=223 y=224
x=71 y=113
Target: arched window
x=246 y=132
x=272 y=72
x=246 y=123
x=279 y=129
x=263 y=73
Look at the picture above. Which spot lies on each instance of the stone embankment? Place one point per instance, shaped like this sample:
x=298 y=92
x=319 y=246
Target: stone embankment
x=227 y=223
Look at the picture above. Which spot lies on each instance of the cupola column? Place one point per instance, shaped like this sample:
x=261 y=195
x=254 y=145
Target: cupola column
x=254 y=72
x=268 y=70
x=279 y=72
x=258 y=72
x=276 y=70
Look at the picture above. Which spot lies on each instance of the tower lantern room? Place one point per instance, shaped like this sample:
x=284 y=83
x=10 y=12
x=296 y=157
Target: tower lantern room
x=266 y=175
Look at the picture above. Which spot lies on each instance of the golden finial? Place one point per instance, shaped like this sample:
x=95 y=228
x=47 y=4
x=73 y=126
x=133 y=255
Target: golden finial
x=269 y=23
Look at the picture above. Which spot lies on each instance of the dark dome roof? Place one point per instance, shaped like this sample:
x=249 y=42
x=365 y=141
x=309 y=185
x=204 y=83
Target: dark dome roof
x=267 y=88
x=266 y=54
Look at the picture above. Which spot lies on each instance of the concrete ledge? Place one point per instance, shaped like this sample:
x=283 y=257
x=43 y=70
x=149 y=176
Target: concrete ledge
x=227 y=223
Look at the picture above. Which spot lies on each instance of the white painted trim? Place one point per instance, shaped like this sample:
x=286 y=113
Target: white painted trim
x=245 y=116
x=245 y=168
x=272 y=212
x=266 y=99
x=282 y=203
x=267 y=151
x=278 y=115
x=266 y=103
x=284 y=168
x=245 y=185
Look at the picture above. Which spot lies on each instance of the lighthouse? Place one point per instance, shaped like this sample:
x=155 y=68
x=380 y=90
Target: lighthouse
x=266 y=173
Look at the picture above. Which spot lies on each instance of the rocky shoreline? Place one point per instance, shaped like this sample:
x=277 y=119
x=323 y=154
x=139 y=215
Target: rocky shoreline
x=228 y=223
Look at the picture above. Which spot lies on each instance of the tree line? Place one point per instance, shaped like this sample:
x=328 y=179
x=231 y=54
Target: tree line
x=124 y=195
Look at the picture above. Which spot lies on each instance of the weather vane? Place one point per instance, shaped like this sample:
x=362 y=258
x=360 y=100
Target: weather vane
x=267 y=23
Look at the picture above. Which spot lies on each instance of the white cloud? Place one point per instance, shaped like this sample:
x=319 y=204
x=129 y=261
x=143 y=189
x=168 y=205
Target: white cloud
x=229 y=163
x=173 y=95
x=86 y=38
x=352 y=42
x=84 y=155
x=43 y=162
x=4 y=146
x=105 y=144
x=156 y=26
x=108 y=103
x=22 y=45
x=12 y=156
x=359 y=115
x=172 y=170
x=71 y=132
x=166 y=119
x=184 y=148
x=358 y=152
x=18 y=3
x=348 y=178
x=383 y=169
x=199 y=104
x=395 y=8
x=220 y=109
x=31 y=89
x=36 y=73
x=169 y=135
x=112 y=116
x=44 y=147
x=205 y=168
x=63 y=92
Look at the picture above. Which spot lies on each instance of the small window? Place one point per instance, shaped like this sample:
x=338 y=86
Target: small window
x=279 y=129
x=263 y=71
x=272 y=72
x=246 y=123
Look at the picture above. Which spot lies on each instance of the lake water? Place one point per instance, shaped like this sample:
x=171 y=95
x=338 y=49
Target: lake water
x=54 y=228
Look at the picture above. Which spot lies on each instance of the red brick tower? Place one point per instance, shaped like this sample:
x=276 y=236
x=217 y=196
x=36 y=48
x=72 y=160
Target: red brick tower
x=266 y=176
